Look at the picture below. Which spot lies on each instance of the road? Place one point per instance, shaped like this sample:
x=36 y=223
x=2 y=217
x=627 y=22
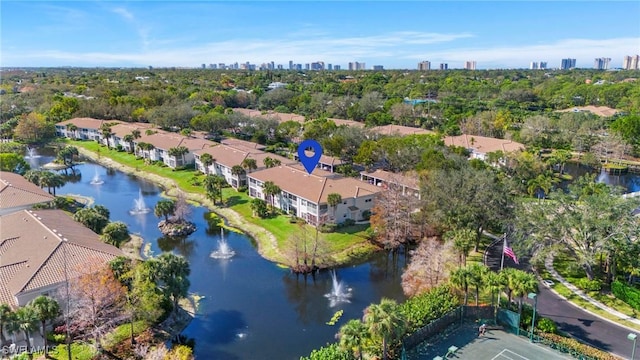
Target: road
x=578 y=323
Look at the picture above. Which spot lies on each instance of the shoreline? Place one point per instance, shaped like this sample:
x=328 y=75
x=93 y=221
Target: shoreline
x=267 y=244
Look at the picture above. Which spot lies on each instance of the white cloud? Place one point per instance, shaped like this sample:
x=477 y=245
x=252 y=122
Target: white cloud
x=124 y=13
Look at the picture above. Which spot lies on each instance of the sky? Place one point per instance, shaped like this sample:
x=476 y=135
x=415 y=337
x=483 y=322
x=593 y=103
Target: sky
x=397 y=35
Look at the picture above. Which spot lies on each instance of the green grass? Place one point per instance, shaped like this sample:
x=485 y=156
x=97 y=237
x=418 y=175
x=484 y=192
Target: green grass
x=345 y=244
x=123 y=332
x=78 y=352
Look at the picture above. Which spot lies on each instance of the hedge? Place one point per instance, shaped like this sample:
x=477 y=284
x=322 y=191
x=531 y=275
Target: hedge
x=575 y=345
x=626 y=293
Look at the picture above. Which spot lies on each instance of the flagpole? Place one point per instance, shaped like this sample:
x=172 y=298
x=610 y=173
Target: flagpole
x=504 y=243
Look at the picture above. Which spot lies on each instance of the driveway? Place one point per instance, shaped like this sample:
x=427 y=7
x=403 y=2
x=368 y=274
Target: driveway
x=578 y=323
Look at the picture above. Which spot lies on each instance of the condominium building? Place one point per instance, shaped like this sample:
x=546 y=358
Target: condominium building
x=567 y=64
x=356 y=66
x=601 y=63
x=424 y=65
x=534 y=65
x=470 y=65
x=631 y=62
x=378 y=67
x=444 y=66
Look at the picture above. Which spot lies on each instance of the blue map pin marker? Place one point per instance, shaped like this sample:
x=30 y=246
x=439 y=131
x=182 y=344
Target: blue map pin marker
x=309 y=162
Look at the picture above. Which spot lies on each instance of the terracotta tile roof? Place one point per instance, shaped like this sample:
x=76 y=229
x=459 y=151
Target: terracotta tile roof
x=483 y=144
x=120 y=130
x=16 y=192
x=167 y=140
x=224 y=155
x=400 y=130
x=312 y=187
x=260 y=156
x=88 y=123
x=340 y=122
x=33 y=244
x=242 y=143
x=324 y=159
x=409 y=180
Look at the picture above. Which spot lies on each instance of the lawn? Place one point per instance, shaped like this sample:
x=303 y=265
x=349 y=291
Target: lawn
x=78 y=352
x=345 y=244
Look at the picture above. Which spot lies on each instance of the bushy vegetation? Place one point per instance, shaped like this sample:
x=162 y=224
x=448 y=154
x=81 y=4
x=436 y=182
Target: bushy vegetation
x=574 y=345
x=626 y=293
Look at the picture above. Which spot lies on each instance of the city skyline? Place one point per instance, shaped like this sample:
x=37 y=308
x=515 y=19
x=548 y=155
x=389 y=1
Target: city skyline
x=396 y=35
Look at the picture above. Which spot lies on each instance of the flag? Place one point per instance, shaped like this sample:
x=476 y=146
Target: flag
x=509 y=252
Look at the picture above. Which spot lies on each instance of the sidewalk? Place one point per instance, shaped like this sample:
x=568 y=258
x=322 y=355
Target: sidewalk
x=548 y=263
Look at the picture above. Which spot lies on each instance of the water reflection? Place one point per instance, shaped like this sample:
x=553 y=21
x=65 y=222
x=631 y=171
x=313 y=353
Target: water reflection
x=630 y=181
x=181 y=244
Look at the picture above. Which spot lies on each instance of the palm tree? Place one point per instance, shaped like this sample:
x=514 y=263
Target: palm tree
x=509 y=276
x=494 y=283
x=129 y=140
x=136 y=134
x=463 y=241
x=6 y=317
x=213 y=185
x=33 y=176
x=206 y=160
x=542 y=182
x=105 y=129
x=384 y=320
x=46 y=309
x=166 y=208
x=460 y=279
x=270 y=189
x=179 y=151
x=477 y=274
x=25 y=320
x=524 y=284
x=51 y=180
x=238 y=171
x=333 y=200
x=352 y=334
x=72 y=128
x=268 y=162
x=249 y=164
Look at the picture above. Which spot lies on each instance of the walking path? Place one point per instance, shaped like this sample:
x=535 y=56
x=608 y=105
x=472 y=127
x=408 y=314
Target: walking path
x=548 y=264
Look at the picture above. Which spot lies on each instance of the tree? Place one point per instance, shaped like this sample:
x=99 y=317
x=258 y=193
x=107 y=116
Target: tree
x=26 y=320
x=13 y=162
x=385 y=321
x=173 y=273
x=428 y=267
x=238 y=171
x=129 y=140
x=73 y=129
x=542 y=182
x=206 y=160
x=33 y=128
x=259 y=207
x=6 y=318
x=249 y=164
x=352 y=335
x=460 y=278
x=333 y=200
x=523 y=283
x=213 y=185
x=105 y=131
x=46 y=309
x=66 y=154
x=462 y=240
x=477 y=274
x=166 y=208
x=143 y=296
x=270 y=189
x=179 y=151
x=494 y=283
x=268 y=162
x=97 y=300
x=115 y=233
x=93 y=217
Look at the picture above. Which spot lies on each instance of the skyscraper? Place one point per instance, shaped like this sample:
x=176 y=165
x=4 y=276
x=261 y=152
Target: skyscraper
x=534 y=65
x=601 y=63
x=470 y=65
x=356 y=66
x=567 y=64
x=631 y=62
x=424 y=65
x=444 y=66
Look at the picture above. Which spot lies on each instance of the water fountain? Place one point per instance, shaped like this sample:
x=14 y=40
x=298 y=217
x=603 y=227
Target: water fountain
x=338 y=292
x=96 y=179
x=224 y=251
x=139 y=207
x=32 y=154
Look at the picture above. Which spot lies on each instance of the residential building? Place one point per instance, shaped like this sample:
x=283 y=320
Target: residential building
x=444 y=66
x=86 y=128
x=400 y=130
x=357 y=66
x=470 y=65
x=534 y=65
x=290 y=64
x=631 y=62
x=601 y=63
x=543 y=65
x=16 y=193
x=336 y=67
x=276 y=85
x=424 y=65
x=480 y=146
x=305 y=195
x=327 y=163
x=225 y=157
x=567 y=64
x=407 y=183
x=41 y=249
x=378 y=67
x=318 y=65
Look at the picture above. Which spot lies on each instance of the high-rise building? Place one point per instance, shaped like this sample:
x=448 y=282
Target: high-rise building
x=470 y=65
x=204 y=66
x=543 y=64
x=601 y=63
x=567 y=64
x=356 y=66
x=631 y=62
x=444 y=66
x=424 y=65
x=329 y=67
x=378 y=67
x=318 y=65
x=290 y=64
x=336 y=67
x=534 y=65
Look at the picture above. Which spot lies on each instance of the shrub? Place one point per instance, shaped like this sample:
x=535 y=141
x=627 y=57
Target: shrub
x=577 y=346
x=242 y=189
x=547 y=326
x=120 y=148
x=626 y=293
x=589 y=285
x=366 y=215
x=327 y=228
x=348 y=222
x=56 y=338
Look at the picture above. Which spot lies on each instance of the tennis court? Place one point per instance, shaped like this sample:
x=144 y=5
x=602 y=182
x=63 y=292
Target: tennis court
x=496 y=344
